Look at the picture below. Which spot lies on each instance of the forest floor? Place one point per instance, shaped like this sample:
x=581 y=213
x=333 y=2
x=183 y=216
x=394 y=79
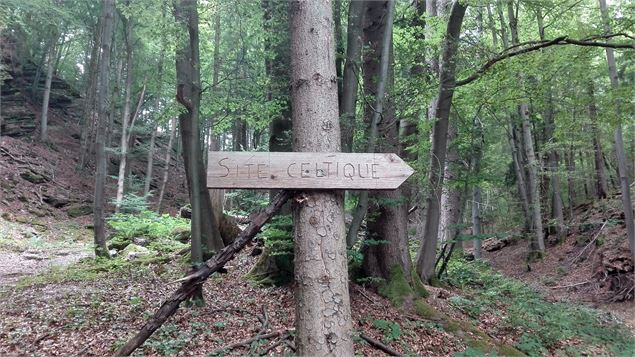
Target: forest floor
x=90 y=308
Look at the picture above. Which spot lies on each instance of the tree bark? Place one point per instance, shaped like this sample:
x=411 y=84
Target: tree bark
x=107 y=19
x=627 y=203
x=323 y=315
x=351 y=70
x=427 y=252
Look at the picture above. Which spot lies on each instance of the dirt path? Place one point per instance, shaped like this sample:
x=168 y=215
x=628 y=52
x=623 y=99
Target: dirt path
x=26 y=251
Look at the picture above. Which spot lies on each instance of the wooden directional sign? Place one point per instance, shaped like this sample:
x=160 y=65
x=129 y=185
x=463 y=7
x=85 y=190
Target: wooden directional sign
x=306 y=170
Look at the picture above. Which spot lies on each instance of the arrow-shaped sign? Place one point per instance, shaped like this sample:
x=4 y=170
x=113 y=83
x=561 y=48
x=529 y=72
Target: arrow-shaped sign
x=306 y=170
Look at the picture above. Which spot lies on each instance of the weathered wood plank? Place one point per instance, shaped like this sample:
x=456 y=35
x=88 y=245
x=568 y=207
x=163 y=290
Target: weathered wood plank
x=306 y=170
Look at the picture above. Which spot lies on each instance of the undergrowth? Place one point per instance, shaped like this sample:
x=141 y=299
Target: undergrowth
x=546 y=325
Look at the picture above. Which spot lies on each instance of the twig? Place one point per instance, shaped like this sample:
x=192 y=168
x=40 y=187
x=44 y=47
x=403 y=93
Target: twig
x=380 y=346
x=282 y=340
x=6 y=152
x=591 y=242
x=571 y=285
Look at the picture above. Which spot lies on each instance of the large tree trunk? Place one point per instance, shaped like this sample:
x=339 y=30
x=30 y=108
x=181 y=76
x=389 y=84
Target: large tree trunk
x=107 y=19
x=427 y=252
x=378 y=38
x=389 y=210
x=323 y=315
x=627 y=203
x=168 y=158
x=206 y=238
x=217 y=197
x=47 y=90
x=351 y=70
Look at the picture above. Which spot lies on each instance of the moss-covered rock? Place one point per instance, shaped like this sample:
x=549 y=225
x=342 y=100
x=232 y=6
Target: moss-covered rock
x=396 y=288
x=181 y=234
x=417 y=285
x=78 y=211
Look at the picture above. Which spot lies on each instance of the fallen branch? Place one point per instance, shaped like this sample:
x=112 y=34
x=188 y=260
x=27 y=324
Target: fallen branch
x=571 y=285
x=380 y=346
x=248 y=341
x=192 y=281
x=591 y=242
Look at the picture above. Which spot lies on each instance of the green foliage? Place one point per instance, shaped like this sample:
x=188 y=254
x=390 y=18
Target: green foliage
x=545 y=323
x=390 y=329
x=145 y=224
x=250 y=201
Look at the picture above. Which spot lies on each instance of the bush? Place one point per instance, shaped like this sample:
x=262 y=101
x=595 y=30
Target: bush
x=161 y=231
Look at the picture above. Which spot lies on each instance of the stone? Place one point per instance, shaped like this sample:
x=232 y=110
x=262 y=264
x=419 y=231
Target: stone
x=133 y=251
x=140 y=241
x=78 y=211
x=56 y=201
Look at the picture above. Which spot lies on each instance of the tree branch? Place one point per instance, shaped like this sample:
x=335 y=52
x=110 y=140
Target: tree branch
x=537 y=45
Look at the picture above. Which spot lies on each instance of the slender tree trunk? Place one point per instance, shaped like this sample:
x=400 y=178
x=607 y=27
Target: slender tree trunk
x=123 y=156
x=477 y=157
x=602 y=187
x=450 y=194
x=323 y=315
x=427 y=252
x=528 y=146
x=149 y=166
x=168 y=158
x=47 y=90
x=627 y=203
x=206 y=238
x=87 y=119
x=570 y=159
x=380 y=42
x=351 y=71
x=107 y=19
